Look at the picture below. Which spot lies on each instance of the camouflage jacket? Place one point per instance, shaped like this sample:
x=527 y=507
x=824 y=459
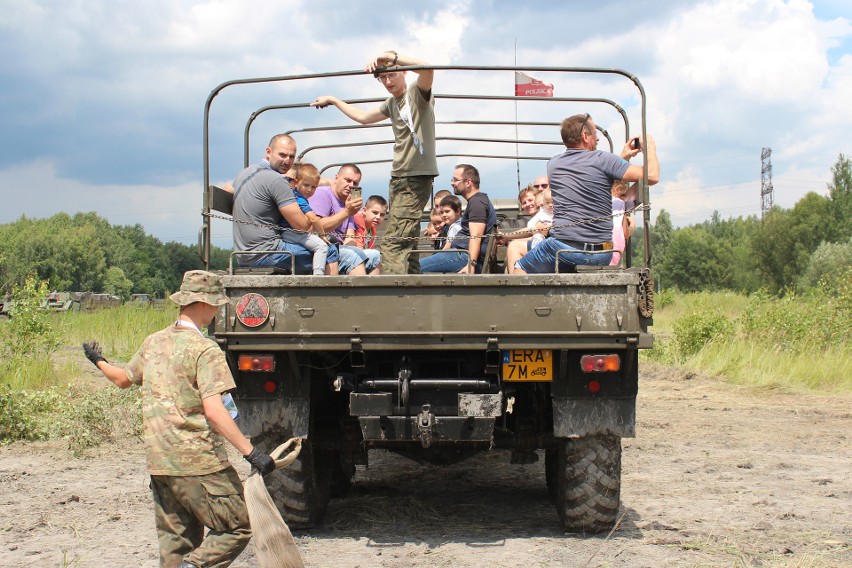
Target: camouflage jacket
x=176 y=368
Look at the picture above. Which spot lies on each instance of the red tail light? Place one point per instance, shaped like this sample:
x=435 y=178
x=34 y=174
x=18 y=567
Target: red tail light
x=600 y=363
x=256 y=363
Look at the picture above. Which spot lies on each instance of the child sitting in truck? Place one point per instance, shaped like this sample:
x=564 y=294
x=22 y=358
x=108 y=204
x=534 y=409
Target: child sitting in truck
x=304 y=181
x=429 y=236
x=623 y=198
x=538 y=225
x=367 y=220
x=542 y=220
x=450 y=211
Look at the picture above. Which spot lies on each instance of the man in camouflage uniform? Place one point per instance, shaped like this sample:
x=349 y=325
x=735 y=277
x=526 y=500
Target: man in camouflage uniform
x=183 y=375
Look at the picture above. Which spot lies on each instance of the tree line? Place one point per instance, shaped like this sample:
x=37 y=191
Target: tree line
x=85 y=253
x=789 y=249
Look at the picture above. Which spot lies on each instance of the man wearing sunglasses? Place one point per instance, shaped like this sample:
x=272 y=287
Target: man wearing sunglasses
x=411 y=110
x=540 y=184
x=580 y=182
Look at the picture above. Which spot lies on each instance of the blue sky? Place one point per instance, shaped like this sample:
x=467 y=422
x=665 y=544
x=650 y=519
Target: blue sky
x=101 y=102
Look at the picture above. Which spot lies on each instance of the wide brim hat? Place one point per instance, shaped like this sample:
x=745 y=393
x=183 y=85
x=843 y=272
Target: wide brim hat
x=200 y=286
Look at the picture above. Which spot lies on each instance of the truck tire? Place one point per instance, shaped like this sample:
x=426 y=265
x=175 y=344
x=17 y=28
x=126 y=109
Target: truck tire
x=551 y=470
x=301 y=490
x=342 y=474
x=588 y=485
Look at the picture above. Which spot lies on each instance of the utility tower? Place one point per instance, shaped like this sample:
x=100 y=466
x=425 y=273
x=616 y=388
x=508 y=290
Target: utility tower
x=765 y=181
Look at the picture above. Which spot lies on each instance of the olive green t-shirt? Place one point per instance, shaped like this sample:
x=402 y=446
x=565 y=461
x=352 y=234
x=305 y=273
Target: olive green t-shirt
x=408 y=160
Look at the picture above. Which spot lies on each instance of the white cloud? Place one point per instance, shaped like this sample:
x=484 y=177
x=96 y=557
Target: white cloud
x=122 y=85
x=35 y=190
x=770 y=51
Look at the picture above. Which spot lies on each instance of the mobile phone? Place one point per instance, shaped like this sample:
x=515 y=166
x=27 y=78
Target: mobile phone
x=356 y=192
x=634 y=143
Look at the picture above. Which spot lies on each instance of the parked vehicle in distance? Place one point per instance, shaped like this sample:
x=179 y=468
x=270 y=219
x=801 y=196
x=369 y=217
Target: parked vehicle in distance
x=58 y=302
x=140 y=299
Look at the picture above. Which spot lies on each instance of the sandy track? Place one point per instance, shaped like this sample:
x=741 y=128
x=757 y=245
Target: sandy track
x=717 y=475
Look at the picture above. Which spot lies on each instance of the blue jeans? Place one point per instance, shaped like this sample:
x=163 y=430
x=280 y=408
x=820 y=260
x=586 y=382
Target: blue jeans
x=374 y=258
x=351 y=257
x=444 y=262
x=542 y=258
x=303 y=257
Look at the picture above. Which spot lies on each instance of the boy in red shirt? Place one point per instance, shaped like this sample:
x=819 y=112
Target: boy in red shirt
x=367 y=220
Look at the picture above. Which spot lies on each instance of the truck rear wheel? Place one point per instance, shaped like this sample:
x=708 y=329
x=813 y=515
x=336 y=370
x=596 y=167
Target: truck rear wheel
x=588 y=484
x=301 y=491
x=551 y=470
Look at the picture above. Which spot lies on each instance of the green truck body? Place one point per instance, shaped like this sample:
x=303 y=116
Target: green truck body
x=438 y=367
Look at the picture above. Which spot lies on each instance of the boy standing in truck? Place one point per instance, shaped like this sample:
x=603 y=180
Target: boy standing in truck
x=411 y=110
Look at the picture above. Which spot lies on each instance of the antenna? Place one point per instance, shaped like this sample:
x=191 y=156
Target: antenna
x=766 y=192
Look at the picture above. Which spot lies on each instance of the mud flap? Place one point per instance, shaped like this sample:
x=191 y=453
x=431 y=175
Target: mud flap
x=580 y=417
x=289 y=415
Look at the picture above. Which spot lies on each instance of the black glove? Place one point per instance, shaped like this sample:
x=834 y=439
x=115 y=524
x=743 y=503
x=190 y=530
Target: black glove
x=93 y=352
x=261 y=461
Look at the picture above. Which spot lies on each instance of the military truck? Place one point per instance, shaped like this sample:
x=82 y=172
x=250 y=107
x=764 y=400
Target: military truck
x=58 y=302
x=438 y=367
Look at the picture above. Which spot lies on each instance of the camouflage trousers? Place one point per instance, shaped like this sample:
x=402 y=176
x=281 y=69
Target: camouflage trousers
x=184 y=506
x=408 y=197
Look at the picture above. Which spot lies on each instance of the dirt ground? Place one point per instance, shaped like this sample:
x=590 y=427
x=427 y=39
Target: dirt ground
x=716 y=476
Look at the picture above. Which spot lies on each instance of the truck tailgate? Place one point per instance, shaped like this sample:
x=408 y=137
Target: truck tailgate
x=437 y=311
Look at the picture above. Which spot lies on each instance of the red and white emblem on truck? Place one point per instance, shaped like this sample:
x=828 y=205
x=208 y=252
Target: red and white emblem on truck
x=253 y=310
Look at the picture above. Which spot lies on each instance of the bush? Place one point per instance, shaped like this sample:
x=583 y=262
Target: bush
x=100 y=416
x=694 y=330
x=664 y=298
x=817 y=320
x=826 y=266
x=16 y=421
x=84 y=419
x=30 y=330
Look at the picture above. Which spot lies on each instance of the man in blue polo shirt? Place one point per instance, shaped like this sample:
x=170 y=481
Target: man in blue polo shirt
x=580 y=182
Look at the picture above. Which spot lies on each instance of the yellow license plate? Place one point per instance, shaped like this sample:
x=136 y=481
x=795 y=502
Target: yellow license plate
x=528 y=365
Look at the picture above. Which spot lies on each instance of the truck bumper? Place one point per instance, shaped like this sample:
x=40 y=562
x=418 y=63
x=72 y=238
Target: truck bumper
x=442 y=429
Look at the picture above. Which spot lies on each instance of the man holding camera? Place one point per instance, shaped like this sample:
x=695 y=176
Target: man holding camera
x=412 y=114
x=335 y=205
x=580 y=182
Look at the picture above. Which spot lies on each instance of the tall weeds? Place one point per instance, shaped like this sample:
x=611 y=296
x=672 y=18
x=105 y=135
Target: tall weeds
x=55 y=393
x=796 y=341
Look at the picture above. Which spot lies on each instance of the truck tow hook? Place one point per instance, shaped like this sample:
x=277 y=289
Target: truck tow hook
x=510 y=404
x=424 y=424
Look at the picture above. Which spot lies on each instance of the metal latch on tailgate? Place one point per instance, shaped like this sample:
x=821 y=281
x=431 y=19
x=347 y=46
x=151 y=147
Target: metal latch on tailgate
x=425 y=420
x=356 y=351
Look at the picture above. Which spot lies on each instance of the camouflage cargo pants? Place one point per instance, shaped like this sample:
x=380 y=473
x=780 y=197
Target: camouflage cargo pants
x=184 y=506
x=408 y=197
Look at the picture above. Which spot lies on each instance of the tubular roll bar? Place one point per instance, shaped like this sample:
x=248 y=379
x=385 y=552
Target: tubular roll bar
x=204 y=235
x=258 y=112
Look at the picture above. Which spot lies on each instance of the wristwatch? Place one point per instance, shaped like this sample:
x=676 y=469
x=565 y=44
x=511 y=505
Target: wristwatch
x=395 y=58
x=472 y=262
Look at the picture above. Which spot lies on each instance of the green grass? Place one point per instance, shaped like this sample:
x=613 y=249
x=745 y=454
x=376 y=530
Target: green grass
x=796 y=342
x=120 y=330
x=57 y=394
